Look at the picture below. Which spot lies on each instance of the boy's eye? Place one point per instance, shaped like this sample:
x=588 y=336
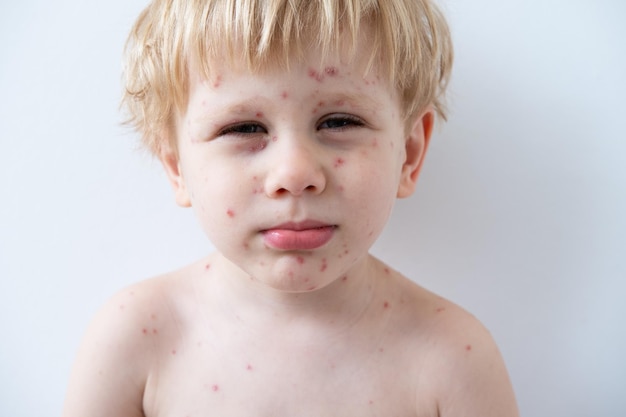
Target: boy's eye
x=243 y=129
x=340 y=122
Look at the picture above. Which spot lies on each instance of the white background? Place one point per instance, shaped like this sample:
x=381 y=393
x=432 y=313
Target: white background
x=519 y=216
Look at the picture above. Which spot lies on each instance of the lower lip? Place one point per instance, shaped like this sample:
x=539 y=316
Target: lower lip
x=307 y=239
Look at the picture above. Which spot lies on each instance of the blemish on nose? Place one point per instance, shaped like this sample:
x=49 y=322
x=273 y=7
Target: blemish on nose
x=230 y=213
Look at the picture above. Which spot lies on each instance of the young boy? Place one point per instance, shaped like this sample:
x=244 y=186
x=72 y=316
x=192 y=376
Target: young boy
x=290 y=127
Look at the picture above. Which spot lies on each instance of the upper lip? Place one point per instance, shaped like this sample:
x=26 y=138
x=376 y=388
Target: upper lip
x=303 y=225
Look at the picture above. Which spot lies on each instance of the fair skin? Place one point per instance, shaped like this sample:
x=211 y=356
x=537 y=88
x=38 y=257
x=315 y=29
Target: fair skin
x=292 y=176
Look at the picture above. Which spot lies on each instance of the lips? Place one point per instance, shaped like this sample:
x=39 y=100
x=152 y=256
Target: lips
x=307 y=235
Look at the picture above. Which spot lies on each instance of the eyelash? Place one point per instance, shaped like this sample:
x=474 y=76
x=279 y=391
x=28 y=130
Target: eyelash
x=345 y=121
x=342 y=122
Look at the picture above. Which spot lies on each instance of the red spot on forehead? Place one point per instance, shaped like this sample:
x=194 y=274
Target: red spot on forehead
x=259 y=114
x=315 y=75
x=331 y=71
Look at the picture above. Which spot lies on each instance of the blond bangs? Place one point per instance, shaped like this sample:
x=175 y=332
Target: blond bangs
x=410 y=44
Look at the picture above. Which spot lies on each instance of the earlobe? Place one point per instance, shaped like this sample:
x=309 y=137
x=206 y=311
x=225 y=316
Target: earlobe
x=417 y=140
x=171 y=164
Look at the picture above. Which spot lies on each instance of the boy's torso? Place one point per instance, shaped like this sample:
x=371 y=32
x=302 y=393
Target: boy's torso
x=381 y=364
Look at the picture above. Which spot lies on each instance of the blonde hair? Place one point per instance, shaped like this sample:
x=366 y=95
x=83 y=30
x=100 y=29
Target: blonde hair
x=410 y=41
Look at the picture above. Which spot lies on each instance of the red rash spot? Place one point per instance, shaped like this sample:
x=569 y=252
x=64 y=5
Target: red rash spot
x=249 y=367
x=440 y=309
x=274 y=138
x=468 y=347
x=311 y=288
x=215 y=388
x=155 y=331
x=386 y=304
x=246 y=246
x=174 y=352
x=320 y=104
x=341 y=188
x=331 y=71
x=259 y=114
x=371 y=402
x=339 y=162
x=339 y=103
x=153 y=316
x=315 y=75
x=230 y=213
x=345 y=278
x=375 y=143
x=218 y=81
x=381 y=350
x=387 y=271
x=284 y=95
x=144 y=331
x=300 y=260
x=324 y=265
x=207 y=267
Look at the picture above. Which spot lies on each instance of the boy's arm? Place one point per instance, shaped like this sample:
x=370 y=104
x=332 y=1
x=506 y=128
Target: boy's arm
x=109 y=373
x=476 y=382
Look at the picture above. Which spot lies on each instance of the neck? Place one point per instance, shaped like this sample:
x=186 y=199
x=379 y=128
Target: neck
x=339 y=304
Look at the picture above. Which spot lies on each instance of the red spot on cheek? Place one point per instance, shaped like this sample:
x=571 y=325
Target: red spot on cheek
x=274 y=138
x=339 y=162
x=300 y=260
x=375 y=143
x=230 y=213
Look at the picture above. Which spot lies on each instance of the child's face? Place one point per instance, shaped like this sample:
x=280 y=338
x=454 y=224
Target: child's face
x=293 y=174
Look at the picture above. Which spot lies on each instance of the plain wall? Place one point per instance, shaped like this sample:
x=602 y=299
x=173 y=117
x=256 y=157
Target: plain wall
x=519 y=213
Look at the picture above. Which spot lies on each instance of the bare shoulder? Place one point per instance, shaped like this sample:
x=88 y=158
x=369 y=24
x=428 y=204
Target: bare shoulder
x=456 y=359
x=120 y=347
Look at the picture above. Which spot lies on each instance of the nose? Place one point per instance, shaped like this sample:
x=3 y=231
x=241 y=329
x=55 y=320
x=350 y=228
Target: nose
x=295 y=169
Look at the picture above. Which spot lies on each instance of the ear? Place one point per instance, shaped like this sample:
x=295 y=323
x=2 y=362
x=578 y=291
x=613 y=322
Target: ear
x=171 y=164
x=417 y=140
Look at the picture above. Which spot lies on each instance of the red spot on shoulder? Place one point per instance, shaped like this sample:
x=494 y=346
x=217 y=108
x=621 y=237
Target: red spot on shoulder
x=311 y=288
x=387 y=271
x=230 y=213
x=440 y=309
x=339 y=162
x=331 y=71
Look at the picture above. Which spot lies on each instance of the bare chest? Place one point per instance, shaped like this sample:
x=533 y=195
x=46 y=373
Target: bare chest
x=199 y=381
